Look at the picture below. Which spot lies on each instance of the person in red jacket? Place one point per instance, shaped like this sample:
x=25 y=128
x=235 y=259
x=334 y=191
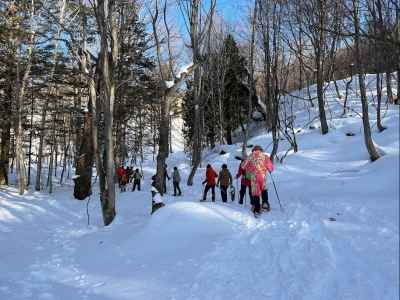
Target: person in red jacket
x=244 y=182
x=211 y=175
x=121 y=172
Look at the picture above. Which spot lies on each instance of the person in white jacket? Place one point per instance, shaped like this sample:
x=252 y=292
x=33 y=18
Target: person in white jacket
x=157 y=201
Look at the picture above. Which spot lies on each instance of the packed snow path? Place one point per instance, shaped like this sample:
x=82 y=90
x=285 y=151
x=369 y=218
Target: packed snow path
x=192 y=250
x=337 y=238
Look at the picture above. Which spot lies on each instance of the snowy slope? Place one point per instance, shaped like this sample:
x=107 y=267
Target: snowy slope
x=193 y=250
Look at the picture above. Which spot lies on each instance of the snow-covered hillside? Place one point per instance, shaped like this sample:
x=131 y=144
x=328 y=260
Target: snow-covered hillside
x=337 y=237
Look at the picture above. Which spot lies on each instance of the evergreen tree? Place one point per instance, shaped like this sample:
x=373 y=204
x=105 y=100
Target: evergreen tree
x=235 y=101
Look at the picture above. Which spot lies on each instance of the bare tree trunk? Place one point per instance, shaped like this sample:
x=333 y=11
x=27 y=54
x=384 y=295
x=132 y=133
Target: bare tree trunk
x=337 y=88
x=65 y=155
x=4 y=153
x=379 y=98
x=164 y=129
x=107 y=24
x=374 y=155
x=5 y=137
x=50 y=172
x=389 y=91
x=163 y=148
x=30 y=141
x=84 y=163
x=251 y=79
x=275 y=80
x=194 y=36
x=319 y=57
x=19 y=131
x=398 y=52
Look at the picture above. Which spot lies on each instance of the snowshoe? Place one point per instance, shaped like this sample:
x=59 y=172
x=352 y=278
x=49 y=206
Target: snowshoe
x=265 y=208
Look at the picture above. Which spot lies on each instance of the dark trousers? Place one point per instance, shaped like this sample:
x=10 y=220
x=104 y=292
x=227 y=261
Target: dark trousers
x=255 y=201
x=136 y=183
x=212 y=187
x=264 y=196
x=177 y=188
x=243 y=188
x=165 y=185
x=224 y=193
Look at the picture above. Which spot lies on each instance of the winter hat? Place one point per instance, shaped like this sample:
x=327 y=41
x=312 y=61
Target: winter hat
x=257 y=148
x=208 y=166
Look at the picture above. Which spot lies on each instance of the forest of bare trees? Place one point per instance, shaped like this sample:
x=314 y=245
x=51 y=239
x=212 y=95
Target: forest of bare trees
x=86 y=86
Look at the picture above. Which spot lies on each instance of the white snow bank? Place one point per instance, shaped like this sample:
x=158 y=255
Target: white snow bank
x=184 y=69
x=185 y=227
x=169 y=84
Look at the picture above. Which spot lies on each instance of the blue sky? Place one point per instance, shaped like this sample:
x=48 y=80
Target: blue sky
x=234 y=12
x=233 y=9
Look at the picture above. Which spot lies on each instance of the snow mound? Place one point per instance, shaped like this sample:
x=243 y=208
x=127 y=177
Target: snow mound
x=184 y=227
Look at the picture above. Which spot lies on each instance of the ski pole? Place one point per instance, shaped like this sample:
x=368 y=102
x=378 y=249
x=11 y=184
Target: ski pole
x=276 y=191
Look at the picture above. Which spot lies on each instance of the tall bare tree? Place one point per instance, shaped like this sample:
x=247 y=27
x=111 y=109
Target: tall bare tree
x=197 y=29
x=22 y=76
x=355 y=11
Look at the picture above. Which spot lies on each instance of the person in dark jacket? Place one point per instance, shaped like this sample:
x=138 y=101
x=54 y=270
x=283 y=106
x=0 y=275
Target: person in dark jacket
x=165 y=179
x=129 y=173
x=244 y=182
x=176 y=179
x=224 y=181
x=210 y=183
x=136 y=180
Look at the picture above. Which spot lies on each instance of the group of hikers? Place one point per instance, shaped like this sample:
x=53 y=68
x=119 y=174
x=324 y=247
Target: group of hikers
x=126 y=176
x=252 y=171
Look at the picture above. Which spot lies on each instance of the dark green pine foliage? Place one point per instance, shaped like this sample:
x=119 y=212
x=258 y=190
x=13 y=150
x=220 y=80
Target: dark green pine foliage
x=210 y=94
x=235 y=100
x=134 y=72
x=224 y=96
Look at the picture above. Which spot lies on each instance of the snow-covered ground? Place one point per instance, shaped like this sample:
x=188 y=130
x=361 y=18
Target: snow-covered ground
x=337 y=237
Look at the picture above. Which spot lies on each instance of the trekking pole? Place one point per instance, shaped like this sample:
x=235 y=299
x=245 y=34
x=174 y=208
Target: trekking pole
x=276 y=191
x=237 y=190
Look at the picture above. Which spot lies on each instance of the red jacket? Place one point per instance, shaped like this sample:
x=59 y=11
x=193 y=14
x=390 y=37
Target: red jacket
x=120 y=172
x=241 y=172
x=210 y=176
